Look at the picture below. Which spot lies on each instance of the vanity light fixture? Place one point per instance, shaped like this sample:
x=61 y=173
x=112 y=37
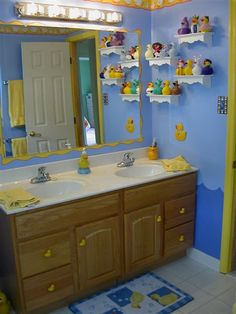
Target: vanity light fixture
x=68 y=13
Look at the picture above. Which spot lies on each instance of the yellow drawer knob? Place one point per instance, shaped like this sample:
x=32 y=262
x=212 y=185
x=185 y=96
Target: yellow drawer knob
x=181 y=238
x=51 y=288
x=82 y=242
x=182 y=210
x=47 y=253
x=159 y=219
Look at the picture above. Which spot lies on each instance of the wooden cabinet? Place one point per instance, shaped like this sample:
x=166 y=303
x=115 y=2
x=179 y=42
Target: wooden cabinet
x=54 y=255
x=143 y=238
x=99 y=253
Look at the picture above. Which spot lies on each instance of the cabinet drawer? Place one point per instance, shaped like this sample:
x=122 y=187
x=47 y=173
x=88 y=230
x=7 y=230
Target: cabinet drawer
x=179 y=211
x=48 y=287
x=153 y=193
x=63 y=216
x=178 y=238
x=44 y=253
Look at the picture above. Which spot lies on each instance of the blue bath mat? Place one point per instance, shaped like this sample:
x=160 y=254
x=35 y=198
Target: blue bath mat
x=146 y=294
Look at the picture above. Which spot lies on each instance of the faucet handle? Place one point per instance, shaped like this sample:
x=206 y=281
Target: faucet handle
x=127 y=155
x=41 y=169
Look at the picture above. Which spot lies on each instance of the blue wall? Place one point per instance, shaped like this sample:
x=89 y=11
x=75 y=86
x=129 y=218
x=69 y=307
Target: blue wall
x=133 y=19
x=197 y=110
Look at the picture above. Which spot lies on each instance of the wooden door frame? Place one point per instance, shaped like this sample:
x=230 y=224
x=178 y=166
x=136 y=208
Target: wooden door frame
x=229 y=218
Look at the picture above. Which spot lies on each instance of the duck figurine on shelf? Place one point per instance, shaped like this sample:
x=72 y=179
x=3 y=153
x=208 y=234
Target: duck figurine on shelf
x=180 y=67
x=207 y=67
x=205 y=25
x=195 y=24
x=166 y=90
x=173 y=51
x=157 y=90
x=176 y=90
x=103 y=42
x=184 y=29
x=149 y=88
x=101 y=75
x=83 y=163
x=119 y=72
x=156 y=49
x=188 y=70
x=197 y=68
x=127 y=88
x=134 y=87
x=149 y=52
x=112 y=73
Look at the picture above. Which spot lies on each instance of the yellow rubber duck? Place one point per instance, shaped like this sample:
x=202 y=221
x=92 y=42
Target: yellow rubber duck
x=84 y=163
x=112 y=73
x=127 y=88
x=4 y=304
x=165 y=299
x=166 y=90
x=180 y=133
x=135 y=299
x=130 y=125
x=188 y=70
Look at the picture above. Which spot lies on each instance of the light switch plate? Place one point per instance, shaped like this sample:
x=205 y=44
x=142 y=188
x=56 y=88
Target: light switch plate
x=222 y=105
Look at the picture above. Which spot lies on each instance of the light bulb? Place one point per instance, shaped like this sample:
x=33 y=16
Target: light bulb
x=74 y=13
x=31 y=9
x=93 y=15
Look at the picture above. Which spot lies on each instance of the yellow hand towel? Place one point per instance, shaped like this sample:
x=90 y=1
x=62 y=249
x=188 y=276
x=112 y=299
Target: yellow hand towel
x=16 y=105
x=19 y=146
x=17 y=197
x=176 y=164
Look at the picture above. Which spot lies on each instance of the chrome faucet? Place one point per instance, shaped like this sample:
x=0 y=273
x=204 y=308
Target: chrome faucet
x=127 y=161
x=42 y=176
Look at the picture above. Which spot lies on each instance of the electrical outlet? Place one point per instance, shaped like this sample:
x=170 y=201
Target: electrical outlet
x=105 y=99
x=222 y=105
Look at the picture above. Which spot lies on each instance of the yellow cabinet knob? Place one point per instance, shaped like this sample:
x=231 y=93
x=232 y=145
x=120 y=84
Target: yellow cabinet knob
x=51 y=288
x=182 y=210
x=47 y=253
x=181 y=238
x=159 y=218
x=82 y=242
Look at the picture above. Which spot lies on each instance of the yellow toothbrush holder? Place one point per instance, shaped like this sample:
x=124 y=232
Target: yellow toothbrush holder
x=152 y=153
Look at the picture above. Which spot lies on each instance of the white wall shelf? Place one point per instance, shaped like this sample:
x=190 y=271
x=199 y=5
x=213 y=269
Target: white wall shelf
x=192 y=79
x=129 y=64
x=130 y=97
x=205 y=37
x=161 y=61
x=118 y=50
x=112 y=81
x=171 y=99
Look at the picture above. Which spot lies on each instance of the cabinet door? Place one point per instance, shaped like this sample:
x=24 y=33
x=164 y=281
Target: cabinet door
x=99 y=253
x=143 y=237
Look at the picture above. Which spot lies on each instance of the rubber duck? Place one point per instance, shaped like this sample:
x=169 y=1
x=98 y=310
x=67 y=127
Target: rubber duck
x=157 y=90
x=156 y=49
x=149 y=88
x=101 y=75
x=197 y=68
x=176 y=90
x=103 y=42
x=166 y=90
x=130 y=125
x=173 y=51
x=184 y=29
x=108 y=41
x=180 y=133
x=134 y=85
x=136 y=298
x=149 y=52
x=195 y=24
x=122 y=88
x=207 y=67
x=135 y=54
x=127 y=88
x=84 y=163
x=112 y=73
x=205 y=25
x=188 y=70
x=164 y=51
x=4 y=304
x=180 y=67
x=118 y=71
x=107 y=71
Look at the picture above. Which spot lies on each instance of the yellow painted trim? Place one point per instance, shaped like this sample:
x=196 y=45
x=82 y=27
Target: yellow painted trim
x=228 y=229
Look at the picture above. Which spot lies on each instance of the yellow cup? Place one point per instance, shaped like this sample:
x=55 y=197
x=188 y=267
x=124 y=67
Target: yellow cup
x=152 y=153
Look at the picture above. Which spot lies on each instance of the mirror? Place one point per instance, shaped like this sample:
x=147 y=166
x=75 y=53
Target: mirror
x=53 y=93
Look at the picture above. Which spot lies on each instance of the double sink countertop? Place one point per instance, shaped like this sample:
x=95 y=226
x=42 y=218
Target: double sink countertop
x=68 y=186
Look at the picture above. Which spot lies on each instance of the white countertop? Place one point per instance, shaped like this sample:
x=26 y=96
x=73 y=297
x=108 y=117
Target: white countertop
x=102 y=179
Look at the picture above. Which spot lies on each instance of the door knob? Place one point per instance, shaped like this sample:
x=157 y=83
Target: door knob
x=34 y=134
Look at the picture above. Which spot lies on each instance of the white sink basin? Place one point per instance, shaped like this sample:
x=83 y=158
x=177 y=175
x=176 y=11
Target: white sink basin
x=140 y=171
x=53 y=189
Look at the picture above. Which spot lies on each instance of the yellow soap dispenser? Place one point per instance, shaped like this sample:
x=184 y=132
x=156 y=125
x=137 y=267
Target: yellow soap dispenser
x=83 y=163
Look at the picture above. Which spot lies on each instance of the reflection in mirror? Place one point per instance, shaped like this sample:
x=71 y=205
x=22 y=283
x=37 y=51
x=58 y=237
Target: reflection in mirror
x=52 y=97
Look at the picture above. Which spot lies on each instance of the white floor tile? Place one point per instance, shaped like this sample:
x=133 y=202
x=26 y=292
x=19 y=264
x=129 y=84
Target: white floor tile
x=228 y=297
x=200 y=298
x=213 y=307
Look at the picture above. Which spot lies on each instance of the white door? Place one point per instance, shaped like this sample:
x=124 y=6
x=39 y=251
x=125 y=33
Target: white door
x=49 y=117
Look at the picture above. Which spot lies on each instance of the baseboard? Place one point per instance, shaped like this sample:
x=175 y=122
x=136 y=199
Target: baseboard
x=204 y=259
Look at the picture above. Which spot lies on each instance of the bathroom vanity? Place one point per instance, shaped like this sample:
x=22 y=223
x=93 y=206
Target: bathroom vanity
x=58 y=253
